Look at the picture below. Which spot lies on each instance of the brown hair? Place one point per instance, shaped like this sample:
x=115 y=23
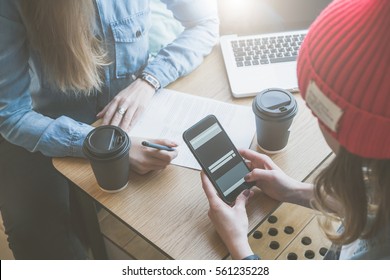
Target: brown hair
x=62 y=33
x=361 y=187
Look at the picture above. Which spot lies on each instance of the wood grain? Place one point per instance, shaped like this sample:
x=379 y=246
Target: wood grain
x=303 y=222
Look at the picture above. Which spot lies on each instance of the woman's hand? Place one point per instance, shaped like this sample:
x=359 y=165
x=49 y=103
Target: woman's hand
x=127 y=105
x=144 y=159
x=274 y=182
x=231 y=222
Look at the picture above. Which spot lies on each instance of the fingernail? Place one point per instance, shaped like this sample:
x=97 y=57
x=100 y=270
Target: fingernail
x=246 y=177
x=247 y=192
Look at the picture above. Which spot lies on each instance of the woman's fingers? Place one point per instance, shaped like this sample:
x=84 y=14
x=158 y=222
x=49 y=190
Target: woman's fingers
x=127 y=105
x=258 y=160
x=259 y=175
x=209 y=190
x=166 y=156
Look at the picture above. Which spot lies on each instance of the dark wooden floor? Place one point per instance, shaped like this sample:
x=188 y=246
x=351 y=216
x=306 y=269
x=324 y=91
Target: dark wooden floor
x=5 y=252
x=121 y=242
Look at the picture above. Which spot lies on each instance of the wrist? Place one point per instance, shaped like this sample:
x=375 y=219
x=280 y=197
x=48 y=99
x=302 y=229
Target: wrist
x=146 y=86
x=150 y=80
x=303 y=194
x=240 y=249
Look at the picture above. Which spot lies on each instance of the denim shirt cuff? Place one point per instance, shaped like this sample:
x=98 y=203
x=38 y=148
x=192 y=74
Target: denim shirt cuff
x=77 y=140
x=164 y=72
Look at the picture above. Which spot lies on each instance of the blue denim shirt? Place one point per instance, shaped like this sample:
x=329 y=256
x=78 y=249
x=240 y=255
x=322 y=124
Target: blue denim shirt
x=375 y=248
x=39 y=117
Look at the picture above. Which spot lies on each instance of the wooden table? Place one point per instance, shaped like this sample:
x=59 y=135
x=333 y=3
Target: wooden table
x=169 y=208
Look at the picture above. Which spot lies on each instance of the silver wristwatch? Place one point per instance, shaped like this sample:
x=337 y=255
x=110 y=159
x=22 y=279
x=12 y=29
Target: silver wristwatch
x=151 y=80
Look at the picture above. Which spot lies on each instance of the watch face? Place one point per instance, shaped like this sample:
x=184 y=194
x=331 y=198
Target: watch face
x=151 y=80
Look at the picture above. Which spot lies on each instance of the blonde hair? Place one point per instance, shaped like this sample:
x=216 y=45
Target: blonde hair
x=62 y=33
x=362 y=188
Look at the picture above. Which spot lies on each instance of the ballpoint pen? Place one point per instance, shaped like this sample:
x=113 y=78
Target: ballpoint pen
x=157 y=146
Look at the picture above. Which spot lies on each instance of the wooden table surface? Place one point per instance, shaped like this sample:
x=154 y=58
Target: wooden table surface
x=168 y=208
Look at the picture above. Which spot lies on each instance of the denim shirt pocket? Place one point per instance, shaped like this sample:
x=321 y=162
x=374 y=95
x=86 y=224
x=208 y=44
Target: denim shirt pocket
x=131 y=43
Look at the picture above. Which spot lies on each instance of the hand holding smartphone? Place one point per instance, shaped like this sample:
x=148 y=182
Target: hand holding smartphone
x=218 y=157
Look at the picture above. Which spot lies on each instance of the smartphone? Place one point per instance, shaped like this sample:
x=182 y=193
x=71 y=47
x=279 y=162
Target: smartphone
x=218 y=157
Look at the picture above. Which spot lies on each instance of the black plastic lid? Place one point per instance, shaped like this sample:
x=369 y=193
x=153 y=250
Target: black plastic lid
x=275 y=103
x=106 y=141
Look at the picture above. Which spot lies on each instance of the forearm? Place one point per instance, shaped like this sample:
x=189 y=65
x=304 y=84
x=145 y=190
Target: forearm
x=302 y=194
x=239 y=249
x=54 y=138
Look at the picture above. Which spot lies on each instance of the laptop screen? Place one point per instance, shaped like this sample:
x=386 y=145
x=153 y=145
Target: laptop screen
x=245 y=17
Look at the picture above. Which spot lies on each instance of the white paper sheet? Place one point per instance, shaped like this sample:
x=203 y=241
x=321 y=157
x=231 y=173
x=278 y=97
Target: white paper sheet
x=170 y=113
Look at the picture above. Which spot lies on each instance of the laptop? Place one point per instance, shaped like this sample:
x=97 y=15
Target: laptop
x=268 y=58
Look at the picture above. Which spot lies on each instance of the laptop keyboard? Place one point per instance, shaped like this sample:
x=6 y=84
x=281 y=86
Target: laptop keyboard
x=266 y=50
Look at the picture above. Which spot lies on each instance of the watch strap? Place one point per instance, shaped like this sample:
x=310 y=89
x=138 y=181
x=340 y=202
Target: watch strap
x=151 y=80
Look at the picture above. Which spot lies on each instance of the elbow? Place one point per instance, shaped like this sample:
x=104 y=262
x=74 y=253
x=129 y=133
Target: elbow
x=210 y=29
x=214 y=30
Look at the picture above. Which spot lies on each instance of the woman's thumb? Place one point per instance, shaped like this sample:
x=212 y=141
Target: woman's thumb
x=256 y=175
x=243 y=198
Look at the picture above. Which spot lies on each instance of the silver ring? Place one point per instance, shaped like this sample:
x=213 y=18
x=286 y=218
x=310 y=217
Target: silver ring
x=121 y=111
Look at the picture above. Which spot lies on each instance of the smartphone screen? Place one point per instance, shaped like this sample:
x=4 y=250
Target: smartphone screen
x=218 y=157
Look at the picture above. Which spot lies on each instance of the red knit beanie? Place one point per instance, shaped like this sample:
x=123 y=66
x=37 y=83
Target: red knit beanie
x=344 y=74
